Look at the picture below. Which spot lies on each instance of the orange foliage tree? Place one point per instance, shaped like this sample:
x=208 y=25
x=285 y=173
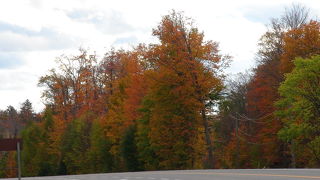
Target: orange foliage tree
x=184 y=78
x=301 y=42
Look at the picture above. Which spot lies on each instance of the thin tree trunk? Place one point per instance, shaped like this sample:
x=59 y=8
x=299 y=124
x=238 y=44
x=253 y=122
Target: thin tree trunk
x=293 y=156
x=210 y=161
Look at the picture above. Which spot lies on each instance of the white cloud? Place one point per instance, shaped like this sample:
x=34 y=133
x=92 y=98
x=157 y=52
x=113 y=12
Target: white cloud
x=16 y=87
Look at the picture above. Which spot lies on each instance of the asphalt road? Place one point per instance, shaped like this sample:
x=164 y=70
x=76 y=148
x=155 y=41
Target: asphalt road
x=227 y=174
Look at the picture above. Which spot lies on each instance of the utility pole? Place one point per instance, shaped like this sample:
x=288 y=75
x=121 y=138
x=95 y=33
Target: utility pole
x=19 y=160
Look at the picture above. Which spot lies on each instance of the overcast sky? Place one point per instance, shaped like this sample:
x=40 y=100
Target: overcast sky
x=34 y=32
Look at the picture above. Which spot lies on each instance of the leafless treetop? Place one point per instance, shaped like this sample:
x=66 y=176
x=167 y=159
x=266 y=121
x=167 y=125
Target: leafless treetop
x=295 y=16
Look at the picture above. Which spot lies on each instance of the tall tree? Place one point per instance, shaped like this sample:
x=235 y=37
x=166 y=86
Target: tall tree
x=26 y=112
x=299 y=109
x=295 y=16
x=300 y=42
x=37 y=157
x=73 y=88
x=99 y=156
x=187 y=72
x=128 y=150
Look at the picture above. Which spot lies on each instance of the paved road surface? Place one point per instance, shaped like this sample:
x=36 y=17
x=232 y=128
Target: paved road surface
x=259 y=174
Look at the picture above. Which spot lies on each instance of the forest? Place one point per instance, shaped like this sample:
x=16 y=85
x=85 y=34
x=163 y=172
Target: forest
x=171 y=105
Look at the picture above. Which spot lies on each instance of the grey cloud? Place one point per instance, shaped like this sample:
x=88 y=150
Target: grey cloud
x=126 y=40
x=111 y=23
x=15 y=38
x=10 y=60
x=17 y=29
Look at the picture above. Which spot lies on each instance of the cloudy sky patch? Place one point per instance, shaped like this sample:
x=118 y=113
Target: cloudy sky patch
x=10 y=60
x=34 y=32
x=107 y=22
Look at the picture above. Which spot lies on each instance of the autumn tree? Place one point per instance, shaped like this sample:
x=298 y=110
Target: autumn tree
x=186 y=71
x=166 y=105
x=128 y=90
x=72 y=88
x=300 y=42
x=11 y=164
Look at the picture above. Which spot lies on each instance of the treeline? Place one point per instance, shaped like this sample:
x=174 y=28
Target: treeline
x=170 y=105
x=144 y=109
x=270 y=117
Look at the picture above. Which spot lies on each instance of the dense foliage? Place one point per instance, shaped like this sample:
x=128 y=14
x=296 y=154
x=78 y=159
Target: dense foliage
x=169 y=105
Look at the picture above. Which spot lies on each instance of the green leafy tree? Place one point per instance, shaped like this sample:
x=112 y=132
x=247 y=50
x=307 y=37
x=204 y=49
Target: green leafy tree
x=75 y=144
x=99 y=157
x=146 y=154
x=31 y=154
x=26 y=114
x=36 y=157
x=129 y=150
x=299 y=109
x=3 y=160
